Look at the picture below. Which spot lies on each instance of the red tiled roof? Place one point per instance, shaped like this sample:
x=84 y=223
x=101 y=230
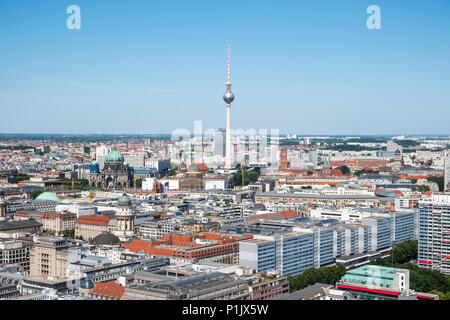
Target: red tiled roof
x=59 y=216
x=289 y=214
x=101 y=220
x=109 y=289
x=202 y=166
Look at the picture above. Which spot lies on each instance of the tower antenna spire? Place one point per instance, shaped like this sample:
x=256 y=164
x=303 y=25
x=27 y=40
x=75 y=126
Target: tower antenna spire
x=228 y=61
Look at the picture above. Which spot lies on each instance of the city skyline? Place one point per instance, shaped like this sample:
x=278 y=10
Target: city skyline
x=299 y=67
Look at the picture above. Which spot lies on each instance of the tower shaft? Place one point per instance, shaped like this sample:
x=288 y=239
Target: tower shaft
x=228 y=139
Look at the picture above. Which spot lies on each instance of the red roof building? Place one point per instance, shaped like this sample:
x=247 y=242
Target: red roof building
x=107 y=291
x=188 y=247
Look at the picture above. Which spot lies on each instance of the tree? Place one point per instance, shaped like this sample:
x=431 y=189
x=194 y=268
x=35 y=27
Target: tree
x=359 y=172
x=171 y=172
x=249 y=177
x=69 y=233
x=404 y=252
x=36 y=193
x=413 y=181
x=438 y=180
x=421 y=188
x=329 y=275
x=344 y=169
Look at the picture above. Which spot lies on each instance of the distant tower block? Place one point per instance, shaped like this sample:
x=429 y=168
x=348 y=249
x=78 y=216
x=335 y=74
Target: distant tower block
x=228 y=97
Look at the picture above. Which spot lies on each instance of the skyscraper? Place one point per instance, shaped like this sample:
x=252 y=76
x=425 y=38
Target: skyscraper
x=218 y=147
x=228 y=97
x=434 y=233
x=447 y=173
x=100 y=155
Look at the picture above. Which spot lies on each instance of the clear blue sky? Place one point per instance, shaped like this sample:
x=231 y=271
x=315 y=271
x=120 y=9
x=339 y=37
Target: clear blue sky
x=306 y=67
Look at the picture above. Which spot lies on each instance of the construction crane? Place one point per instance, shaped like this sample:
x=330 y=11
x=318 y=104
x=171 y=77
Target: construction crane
x=72 y=182
x=91 y=196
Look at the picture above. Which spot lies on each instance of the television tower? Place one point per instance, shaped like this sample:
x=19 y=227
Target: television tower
x=228 y=97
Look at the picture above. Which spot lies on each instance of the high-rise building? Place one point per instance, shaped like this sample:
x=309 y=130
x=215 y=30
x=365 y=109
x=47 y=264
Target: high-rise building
x=100 y=155
x=218 y=147
x=391 y=146
x=447 y=173
x=434 y=233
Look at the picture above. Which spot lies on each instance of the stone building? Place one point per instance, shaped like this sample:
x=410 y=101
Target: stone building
x=193 y=179
x=48 y=257
x=58 y=222
x=124 y=219
x=116 y=174
x=88 y=227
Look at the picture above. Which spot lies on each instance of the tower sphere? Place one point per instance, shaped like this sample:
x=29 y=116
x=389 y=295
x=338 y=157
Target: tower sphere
x=228 y=97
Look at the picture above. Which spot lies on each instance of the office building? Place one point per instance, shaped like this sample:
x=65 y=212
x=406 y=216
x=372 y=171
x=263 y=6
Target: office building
x=205 y=286
x=48 y=257
x=434 y=233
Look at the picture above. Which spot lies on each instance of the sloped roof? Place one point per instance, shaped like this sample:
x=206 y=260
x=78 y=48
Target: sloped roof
x=109 y=289
x=289 y=214
x=100 y=220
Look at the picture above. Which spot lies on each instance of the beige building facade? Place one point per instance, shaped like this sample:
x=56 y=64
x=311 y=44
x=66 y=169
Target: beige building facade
x=48 y=257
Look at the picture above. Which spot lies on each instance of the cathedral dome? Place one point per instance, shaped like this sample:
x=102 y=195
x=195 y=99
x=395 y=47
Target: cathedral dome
x=114 y=156
x=124 y=201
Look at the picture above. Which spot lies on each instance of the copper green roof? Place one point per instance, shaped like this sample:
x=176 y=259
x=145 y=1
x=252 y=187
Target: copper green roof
x=114 y=156
x=124 y=200
x=372 y=275
x=48 y=196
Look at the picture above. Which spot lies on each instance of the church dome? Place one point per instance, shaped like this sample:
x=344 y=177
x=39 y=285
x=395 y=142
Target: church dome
x=114 y=156
x=124 y=201
x=48 y=196
x=106 y=239
x=95 y=168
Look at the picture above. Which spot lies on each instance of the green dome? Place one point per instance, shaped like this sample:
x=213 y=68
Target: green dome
x=48 y=196
x=124 y=200
x=114 y=156
x=125 y=163
x=67 y=201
